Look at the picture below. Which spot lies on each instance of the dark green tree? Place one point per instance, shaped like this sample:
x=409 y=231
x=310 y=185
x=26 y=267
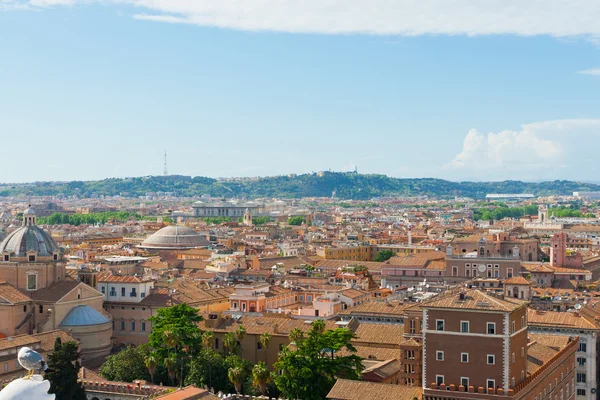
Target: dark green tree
x=180 y=321
x=127 y=365
x=384 y=255
x=63 y=367
x=310 y=370
x=297 y=220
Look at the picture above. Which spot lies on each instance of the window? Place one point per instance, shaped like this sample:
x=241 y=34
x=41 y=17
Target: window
x=491 y=328
x=6 y=366
x=439 y=355
x=143 y=294
x=581 y=377
x=235 y=306
x=103 y=289
x=31 y=258
x=439 y=324
x=133 y=293
x=522 y=375
x=580 y=392
x=143 y=326
x=509 y=272
x=123 y=291
x=132 y=326
x=122 y=326
x=6 y=257
x=25 y=308
x=41 y=308
x=464 y=357
x=512 y=382
x=582 y=347
x=113 y=291
x=464 y=326
x=31 y=282
x=258 y=345
x=513 y=327
x=581 y=361
x=490 y=383
x=513 y=358
x=439 y=379
x=217 y=343
x=522 y=351
x=491 y=359
x=464 y=381
x=522 y=322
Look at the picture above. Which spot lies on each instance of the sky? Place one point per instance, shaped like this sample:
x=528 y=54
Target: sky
x=452 y=89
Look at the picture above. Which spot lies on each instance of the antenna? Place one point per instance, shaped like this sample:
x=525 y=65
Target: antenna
x=165 y=172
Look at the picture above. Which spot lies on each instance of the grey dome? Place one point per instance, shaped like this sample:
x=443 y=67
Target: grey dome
x=84 y=315
x=175 y=237
x=29 y=238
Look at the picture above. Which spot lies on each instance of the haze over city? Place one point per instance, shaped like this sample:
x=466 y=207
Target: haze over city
x=455 y=90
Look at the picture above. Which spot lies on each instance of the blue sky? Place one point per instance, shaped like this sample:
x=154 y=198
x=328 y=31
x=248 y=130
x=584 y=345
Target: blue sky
x=96 y=89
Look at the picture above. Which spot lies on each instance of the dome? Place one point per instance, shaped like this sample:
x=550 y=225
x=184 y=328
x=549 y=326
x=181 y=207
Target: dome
x=84 y=315
x=29 y=238
x=175 y=237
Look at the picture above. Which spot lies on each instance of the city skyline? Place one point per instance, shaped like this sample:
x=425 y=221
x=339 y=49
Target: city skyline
x=100 y=89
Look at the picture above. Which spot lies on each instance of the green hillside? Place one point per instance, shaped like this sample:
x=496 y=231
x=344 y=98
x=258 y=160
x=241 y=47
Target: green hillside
x=346 y=185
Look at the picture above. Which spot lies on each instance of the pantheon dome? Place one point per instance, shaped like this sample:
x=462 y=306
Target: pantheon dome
x=175 y=237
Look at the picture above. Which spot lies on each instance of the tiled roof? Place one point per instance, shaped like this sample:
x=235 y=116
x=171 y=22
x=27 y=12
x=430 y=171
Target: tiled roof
x=374 y=353
x=385 y=369
x=379 y=333
x=46 y=340
x=557 y=342
x=353 y=293
x=516 y=280
x=474 y=300
x=54 y=292
x=109 y=277
x=257 y=325
x=11 y=294
x=360 y=390
x=537 y=355
x=557 y=319
x=384 y=308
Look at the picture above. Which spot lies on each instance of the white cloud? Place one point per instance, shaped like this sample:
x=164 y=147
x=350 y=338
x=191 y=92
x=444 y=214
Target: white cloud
x=593 y=71
x=560 y=149
x=558 y=18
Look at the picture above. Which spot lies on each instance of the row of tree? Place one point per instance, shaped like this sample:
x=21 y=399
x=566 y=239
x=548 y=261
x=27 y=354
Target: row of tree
x=91 y=218
x=179 y=353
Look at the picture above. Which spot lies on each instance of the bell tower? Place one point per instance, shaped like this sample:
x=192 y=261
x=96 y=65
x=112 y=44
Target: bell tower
x=248 y=217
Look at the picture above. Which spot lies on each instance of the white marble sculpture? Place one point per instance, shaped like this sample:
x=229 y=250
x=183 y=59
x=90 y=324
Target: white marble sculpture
x=32 y=387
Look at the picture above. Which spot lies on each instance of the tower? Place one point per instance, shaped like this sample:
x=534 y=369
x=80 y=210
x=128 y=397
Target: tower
x=165 y=171
x=558 y=250
x=248 y=217
x=542 y=214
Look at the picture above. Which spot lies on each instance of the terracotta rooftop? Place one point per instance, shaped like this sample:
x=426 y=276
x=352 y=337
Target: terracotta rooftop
x=360 y=390
x=555 y=319
x=257 y=325
x=54 y=292
x=474 y=300
x=353 y=293
x=385 y=369
x=46 y=340
x=109 y=277
x=516 y=280
x=10 y=294
x=387 y=334
x=383 y=308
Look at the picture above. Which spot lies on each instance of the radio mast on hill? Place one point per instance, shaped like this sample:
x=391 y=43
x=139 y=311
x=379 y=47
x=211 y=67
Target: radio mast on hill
x=165 y=172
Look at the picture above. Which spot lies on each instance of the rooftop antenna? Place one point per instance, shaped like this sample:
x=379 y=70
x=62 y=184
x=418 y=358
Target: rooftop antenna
x=165 y=172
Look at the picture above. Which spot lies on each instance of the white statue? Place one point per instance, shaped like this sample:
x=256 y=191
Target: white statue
x=32 y=387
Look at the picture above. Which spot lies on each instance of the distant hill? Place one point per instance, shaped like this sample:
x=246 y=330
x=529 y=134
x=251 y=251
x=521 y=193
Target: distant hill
x=346 y=186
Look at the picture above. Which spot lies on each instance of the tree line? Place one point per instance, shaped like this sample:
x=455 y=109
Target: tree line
x=180 y=354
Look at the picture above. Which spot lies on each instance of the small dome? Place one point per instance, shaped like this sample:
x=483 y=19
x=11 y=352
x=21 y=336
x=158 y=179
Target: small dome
x=175 y=237
x=29 y=211
x=29 y=238
x=84 y=315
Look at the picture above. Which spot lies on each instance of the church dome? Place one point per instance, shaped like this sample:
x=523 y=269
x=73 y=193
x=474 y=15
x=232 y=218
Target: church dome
x=29 y=237
x=175 y=237
x=84 y=315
